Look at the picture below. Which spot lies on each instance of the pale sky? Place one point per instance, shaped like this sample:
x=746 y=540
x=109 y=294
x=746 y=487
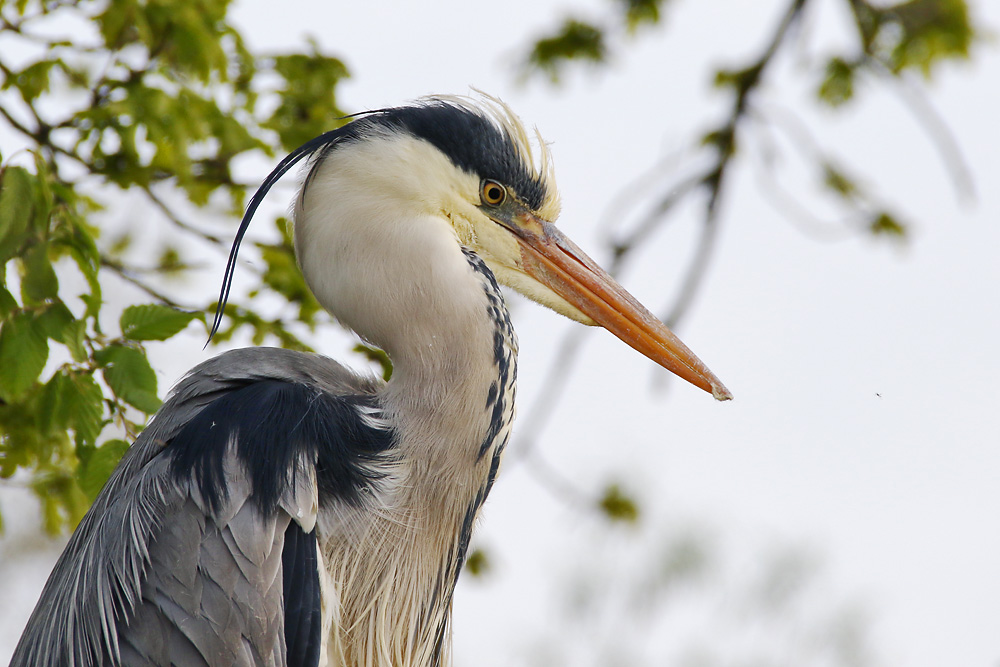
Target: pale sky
x=865 y=429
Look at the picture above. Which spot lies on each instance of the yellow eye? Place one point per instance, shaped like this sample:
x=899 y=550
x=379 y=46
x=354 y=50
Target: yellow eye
x=493 y=193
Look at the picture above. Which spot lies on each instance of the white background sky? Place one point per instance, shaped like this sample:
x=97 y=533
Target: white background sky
x=865 y=428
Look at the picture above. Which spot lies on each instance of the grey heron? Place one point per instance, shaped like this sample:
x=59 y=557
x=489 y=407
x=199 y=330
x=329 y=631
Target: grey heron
x=280 y=509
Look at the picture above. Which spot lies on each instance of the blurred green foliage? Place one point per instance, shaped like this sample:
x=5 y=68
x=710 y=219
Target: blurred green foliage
x=155 y=96
x=640 y=12
x=919 y=34
x=887 y=42
x=477 y=563
x=575 y=40
x=618 y=506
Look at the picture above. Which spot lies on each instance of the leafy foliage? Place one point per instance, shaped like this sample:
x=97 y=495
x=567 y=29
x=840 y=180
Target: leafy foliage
x=919 y=34
x=161 y=98
x=667 y=594
x=838 y=85
x=578 y=40
x=640 y=12
x=889 y=42
x=885 y=224
x=617 y=506
x=283 y=276
x=914 y=34
x=377 y=356
x=154 y=322
x=477 y=563
x=304 y=111
x=575 y=40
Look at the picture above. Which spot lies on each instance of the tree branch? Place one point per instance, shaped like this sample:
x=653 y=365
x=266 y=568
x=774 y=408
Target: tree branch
x=714 y=180
x=941 y=136
x=126 y=274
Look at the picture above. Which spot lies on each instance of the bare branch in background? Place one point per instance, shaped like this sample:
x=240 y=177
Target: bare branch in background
x=721 y=142
x=934 y=125
x=891 y=42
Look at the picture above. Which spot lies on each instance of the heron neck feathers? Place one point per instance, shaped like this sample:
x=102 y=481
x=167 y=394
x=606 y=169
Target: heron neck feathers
x=396 y=273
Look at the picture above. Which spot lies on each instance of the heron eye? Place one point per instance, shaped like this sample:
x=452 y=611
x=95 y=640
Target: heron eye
x=493 y=193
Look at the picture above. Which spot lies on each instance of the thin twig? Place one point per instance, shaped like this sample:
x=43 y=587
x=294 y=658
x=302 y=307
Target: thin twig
x=784 y=201
x=556 y=483
x=694 y=276
x=941 y=136
x=652 y=221
x=175 y=220
x=126 y=275
x=714 y=180
x=551 y=391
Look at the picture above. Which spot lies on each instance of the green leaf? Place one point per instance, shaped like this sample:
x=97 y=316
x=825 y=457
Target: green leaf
x=169 y=261
x=72 y=400
x=638 y=12
x=187 y=36
x=38 y=279
x=54 y=320
x=154 y=322
x=120 y=243
x=83 y=402
x=17 y=196
x=378 y=356
x=740 y=80
x=722 y=140
x=44 y=200
x=284 y=277
x=84 y=252
x=23 y=353
x=308 y=99
x=838 y=84
x=883 y=224
x=838 y=181
x=128 y=373
x=74 y=336
x=617 y=506
x=117 y=19
x=926 y=32
x=63 y=502
x=575 y=40
x=94 y=473
x=33 y=80
x=477 y=563
x=8 y=304
x=50 y=416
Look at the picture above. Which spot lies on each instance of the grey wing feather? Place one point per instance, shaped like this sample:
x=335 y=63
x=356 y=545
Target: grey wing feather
x=155 y=575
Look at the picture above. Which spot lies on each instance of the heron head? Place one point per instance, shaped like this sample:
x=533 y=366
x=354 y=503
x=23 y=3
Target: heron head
x=502 y=203
x=484 y=179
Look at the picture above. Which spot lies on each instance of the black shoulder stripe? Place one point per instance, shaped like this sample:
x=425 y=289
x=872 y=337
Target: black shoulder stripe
x=275 y=423
x=303 y=611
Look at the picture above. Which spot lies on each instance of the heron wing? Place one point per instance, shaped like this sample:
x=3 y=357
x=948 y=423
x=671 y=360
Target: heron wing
x=201 y=549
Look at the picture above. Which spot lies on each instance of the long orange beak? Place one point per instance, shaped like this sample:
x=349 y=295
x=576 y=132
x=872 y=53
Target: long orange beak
x=554 y=260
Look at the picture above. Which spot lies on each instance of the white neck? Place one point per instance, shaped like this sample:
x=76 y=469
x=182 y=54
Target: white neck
x=402 y=281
